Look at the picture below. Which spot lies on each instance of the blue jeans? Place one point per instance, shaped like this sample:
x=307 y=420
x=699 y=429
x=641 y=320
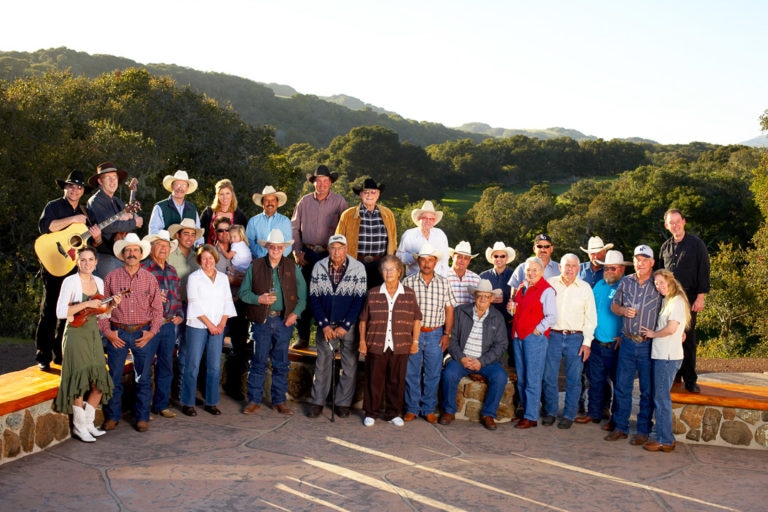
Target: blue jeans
x=494 y=373
x=601 y=368
x=270 y=342
x=664 y=372
x=422 y=377
x=199 y=340
x=530 y=358
x=142 y=374
x=166 y=342
x=324 y=377
x=634 y=358
x=563 y=346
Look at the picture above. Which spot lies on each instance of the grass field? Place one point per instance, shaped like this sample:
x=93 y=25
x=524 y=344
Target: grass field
x=461 y=201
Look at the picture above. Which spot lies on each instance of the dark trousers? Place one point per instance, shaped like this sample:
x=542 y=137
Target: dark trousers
x=385 y=379
x=372 y=274
x=304 y=323
x=240 y=356
x=688 y=369
x=49 y=328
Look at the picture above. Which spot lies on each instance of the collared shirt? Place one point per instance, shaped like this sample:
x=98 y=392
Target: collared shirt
x=170 y=285
x=589 y=275
x=144 y=303
x=156 y=221
x=575 y=307
x=643 y=297
x=260 y=225
x=500 y=282
x=459 y=285
x=55 y=210
x=688 y=260
x=100 y=208
x=432 y=298
x=518 y=276
x=372 y=239
x=411 y=242
x=184 y=265
x=248 y=296
x=314 y=221
x=608 y=322
x=211 y=299
x=336 y=273
x=474 y=346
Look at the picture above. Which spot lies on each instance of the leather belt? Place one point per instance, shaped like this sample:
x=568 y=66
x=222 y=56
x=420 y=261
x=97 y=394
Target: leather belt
x=316 y=248
x=368 y=258
x=637 y=338
x=274 y=313
x=130 y=328
x=430 y=329
x=605 y=343
x=566 y=332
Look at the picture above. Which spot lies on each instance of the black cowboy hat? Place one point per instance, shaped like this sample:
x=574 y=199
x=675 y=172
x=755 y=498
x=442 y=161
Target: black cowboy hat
x=323 y=170
x=75 y=178
x=368 y=184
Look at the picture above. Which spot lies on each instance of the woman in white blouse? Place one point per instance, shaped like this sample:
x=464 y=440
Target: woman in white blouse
x=667 y=354
x=209 y=306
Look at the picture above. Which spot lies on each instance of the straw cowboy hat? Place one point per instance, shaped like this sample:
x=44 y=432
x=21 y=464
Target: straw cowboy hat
x=75 y=178
x=322 y=170
x=499 y=246
x=427 y=250
x=179 y=176
x=275 y=237
x=162 y=235
x=129 y=240
x=269 y=190
x=596 y=245
x=462 y=247
x=173 y=229
x=427 y=207
x=614 y=258
x=484 y=286
x=105 y=168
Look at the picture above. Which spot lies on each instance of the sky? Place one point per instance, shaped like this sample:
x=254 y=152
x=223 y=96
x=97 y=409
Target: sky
x=673 y=71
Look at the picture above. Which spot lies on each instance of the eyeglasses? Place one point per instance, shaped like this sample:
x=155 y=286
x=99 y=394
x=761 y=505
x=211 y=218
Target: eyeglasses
x=502 y=256
x=543 y=246
x=611 y=269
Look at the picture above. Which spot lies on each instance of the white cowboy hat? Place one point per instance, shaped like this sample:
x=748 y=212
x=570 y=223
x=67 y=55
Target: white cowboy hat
x=269 y=190
x=614 y=258
x=179 y=176
x=130 y=239
x=275 y=237
x=428 y=250
x=462 y=247
x=162 y=235
x=484 y=286
x=497 y=247
x=426 y=207
x=596 y=245
x=173 y=229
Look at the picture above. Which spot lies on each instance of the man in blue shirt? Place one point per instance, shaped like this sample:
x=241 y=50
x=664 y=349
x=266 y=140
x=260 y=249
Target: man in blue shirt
x=261 y=225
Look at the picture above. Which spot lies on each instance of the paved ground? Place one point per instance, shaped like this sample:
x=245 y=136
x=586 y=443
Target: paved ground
x=271 y=462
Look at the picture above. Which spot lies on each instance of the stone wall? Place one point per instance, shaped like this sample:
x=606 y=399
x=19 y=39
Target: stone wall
x=31 y=430
x=721 y=426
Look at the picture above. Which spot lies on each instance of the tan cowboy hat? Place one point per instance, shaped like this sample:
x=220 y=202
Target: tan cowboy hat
x=427 y=250
x=269 y=190
x=275 y=237
x=426 y=207
x=462 y=247
x=499 y=246
x=179 y=176
x=173 y=229
x=484 y=286
x=614 y=258
x=596 y=245
x=162 y=235
x=130 y=239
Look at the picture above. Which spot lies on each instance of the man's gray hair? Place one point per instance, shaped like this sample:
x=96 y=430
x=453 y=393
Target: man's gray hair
x=569 y=256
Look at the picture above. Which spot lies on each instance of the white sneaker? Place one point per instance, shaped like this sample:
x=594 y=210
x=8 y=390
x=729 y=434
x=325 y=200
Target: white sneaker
x=368 y=421
x=397 y=421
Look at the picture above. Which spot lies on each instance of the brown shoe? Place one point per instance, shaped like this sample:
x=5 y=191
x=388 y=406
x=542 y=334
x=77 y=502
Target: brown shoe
x=110 y=425
x=526 y=423
x=409 y=416
x=314 y=411
x=488 y=422
x=167 y=413
x=615 y=436
x=283 y=409
x=431 y=418
x=142 y=426
x=251 y=408
x=584 y=419
x=666 y=448
x=447 y=418
x=300 y=344
x=639 y=440
x=609 y=427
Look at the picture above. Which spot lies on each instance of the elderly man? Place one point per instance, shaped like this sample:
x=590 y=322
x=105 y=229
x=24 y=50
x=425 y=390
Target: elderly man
x=592 y=271
x=436 y=301
x=103 y=205
x=686 y=256
x=336 y=296
x=176 y=208
x=501 y=256
x=426 y=218
x=370 y=230
x=543 y=247
x=261 y=225
x=173 y=316
x=570 y=340
x=134 y=325
x=638 y=302
x=601 y=365
x=478 y=342
x=275 y=295
x=314 y=221
x=459 y=275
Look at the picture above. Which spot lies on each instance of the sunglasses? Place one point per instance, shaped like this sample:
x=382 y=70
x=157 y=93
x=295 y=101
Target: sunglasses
x=611 y=269
x=502 y=256
x=543 y=246
x=219 y=230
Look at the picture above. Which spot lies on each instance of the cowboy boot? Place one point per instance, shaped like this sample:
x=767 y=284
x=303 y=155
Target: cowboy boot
x=79 y=425
x=90 y=417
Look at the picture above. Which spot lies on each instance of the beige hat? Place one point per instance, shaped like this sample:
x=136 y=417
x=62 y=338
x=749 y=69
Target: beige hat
x=173 y=229
x=275 y=237
x=269 y=190
x=462 y=247
x=179 y=176
x=427 y=250
x=162 y=235
x=499 y=246
x=596 y=245
x=426 y=207
x=614 y=258
x=130 y=239
x=484 y=286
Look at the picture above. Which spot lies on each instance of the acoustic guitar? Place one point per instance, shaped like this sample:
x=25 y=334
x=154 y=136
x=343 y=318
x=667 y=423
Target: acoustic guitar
x=57 y=251
x=133 y=185
x=82 y=316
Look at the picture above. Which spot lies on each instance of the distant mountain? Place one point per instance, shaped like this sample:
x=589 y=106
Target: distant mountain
x=549 y=133
x=761 y=141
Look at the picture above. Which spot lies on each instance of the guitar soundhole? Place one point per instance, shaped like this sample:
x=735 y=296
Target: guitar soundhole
x=76 y=241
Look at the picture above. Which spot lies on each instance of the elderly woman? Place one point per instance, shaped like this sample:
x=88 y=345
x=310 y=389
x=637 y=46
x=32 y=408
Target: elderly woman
x=82 y=369
x=426 y=218
x=224 y=205
x=389 y=325
x=209 y=306
x=667 y=354
x=534 y=312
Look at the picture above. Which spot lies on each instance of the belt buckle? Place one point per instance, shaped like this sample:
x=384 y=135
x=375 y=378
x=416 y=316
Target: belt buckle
x=317 y=248
x=368 y=259
x=636 y=338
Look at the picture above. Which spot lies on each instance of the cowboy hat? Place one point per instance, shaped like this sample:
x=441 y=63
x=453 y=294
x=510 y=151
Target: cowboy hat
x=275 y=237
x=131 y=239
x=368 y=184
x=162 y=235
x=499 y=246
x=179 y=176
x=269 y=190
x=596 y=245
x=427 y=207
x=484 y=286
x=105 y=168
x=322 y=170
x=173 y=229
x=462 y=247
x=427 y=250
x=614 y=258
x=75 y=178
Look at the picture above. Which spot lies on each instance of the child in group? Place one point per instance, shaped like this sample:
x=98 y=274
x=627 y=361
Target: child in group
x=239 y=253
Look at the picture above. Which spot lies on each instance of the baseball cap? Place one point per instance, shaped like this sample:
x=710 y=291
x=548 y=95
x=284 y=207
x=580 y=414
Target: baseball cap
x=644 y=250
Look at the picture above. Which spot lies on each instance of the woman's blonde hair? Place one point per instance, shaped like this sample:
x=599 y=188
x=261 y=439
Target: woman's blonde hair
x=225 y=183
x=675 y=289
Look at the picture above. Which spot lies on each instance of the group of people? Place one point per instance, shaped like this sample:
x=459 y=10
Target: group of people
x=420 y=324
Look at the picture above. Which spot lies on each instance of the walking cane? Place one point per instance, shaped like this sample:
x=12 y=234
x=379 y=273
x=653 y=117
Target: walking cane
x=333 y=382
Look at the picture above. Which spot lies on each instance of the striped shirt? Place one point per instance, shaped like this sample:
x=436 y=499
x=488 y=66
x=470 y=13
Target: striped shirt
x=372 y=238
x=474 y=345
x=644 y=298
x=432 y=298
x=459 y=285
